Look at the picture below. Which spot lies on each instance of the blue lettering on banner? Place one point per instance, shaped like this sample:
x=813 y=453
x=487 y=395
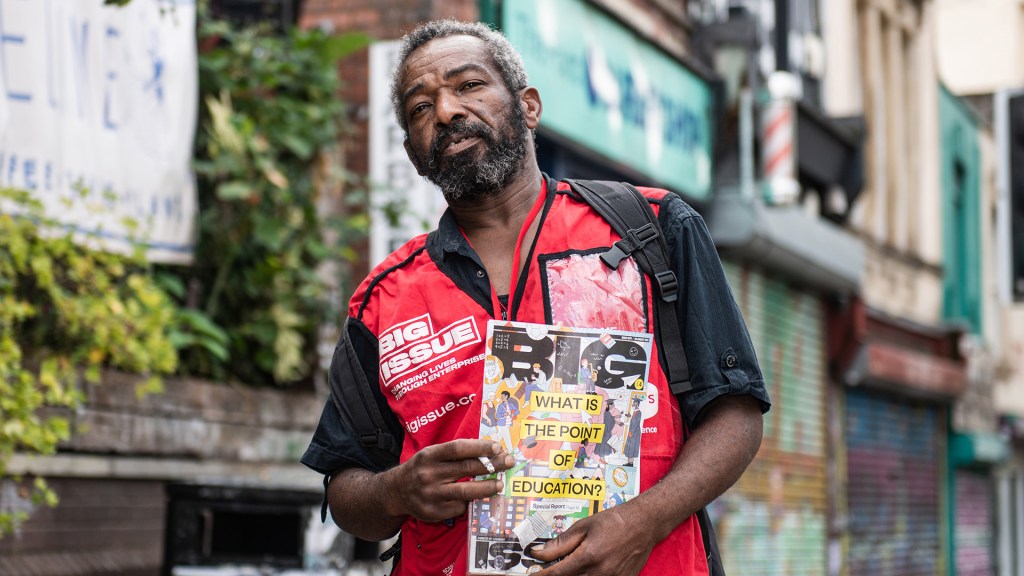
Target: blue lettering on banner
x=6 y=38
x=98 y=72
x=79 y=42
x=156 y=81
x=51 y=60
x=26 y=173
x=108 y=122
x=30 y=174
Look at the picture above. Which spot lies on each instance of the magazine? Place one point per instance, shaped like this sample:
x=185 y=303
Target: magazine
x=568 y=404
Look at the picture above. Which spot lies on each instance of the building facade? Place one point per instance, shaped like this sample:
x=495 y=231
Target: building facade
x=848 y=184
x=988 y=78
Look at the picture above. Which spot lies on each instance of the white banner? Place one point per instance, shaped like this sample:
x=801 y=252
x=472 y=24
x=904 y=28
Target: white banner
x=103 y=99
x=393 y=177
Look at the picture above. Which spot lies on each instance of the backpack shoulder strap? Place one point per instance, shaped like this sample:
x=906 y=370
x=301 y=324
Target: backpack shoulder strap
x=358 y=406
x=631 y=216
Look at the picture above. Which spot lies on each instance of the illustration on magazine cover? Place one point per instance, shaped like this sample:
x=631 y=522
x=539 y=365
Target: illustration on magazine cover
x=569 y=405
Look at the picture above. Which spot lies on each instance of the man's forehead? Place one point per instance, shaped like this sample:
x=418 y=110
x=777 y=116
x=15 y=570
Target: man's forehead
x=445 y=54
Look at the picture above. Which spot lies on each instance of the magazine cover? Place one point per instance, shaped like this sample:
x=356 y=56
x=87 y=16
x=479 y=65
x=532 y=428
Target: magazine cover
x=567 y=403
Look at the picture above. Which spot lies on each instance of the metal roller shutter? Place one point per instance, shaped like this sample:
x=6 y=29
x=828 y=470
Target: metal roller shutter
x=894 y=462
x=974 y=524
x=773 y=520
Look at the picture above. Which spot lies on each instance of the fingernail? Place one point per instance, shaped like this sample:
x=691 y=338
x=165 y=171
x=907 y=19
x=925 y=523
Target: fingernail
x=495 y=449
x=538 y=547
x=501 y=486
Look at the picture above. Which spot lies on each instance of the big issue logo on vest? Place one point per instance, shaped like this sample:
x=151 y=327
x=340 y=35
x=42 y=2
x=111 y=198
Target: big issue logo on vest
x=413 y=353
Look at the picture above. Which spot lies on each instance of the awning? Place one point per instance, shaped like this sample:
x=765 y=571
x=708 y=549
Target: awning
x=882 y=365
x=868 y=347
x=807 y=248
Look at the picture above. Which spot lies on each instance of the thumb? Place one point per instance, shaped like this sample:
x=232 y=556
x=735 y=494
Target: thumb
x=559 y=546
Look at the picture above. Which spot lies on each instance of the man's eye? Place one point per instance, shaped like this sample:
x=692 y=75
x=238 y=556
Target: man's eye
x=417 y=109
x=472 y=84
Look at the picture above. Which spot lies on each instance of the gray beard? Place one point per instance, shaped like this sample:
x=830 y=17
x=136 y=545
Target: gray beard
x=464 y=179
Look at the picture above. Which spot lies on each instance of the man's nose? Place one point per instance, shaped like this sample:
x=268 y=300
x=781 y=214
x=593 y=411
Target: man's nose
x=449 y=108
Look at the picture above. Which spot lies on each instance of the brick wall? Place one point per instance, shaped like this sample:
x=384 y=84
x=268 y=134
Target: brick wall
x=194 y=419
x=382 y=20
x=101 y=527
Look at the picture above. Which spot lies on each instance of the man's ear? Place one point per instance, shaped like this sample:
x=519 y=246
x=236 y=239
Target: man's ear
x=529 y=99
x=412 y=156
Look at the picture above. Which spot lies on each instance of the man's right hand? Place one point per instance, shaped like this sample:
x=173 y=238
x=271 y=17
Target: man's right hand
x=437 y=482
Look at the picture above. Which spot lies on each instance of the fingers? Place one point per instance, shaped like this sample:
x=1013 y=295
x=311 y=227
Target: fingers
x=444 y=501
x=461 y=449
x=433 y=485
x=582 y=549
x=473 y=489
x=559 y=547
x=451 y=463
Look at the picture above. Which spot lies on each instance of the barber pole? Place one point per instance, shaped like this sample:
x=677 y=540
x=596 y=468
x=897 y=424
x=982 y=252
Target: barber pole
x=779 y=139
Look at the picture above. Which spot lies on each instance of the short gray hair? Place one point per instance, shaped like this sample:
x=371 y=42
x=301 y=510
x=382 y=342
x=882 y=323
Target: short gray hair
x=506 y=59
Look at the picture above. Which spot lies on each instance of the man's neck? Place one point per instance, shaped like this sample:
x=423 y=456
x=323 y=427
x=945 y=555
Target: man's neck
x=493 y=226
x=506 y=210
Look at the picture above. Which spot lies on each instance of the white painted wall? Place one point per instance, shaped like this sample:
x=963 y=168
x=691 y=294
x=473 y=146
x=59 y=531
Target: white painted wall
x=1009 y=389
x=842 y=84
x=982 y=44
x=899 y=214
x=928 y=211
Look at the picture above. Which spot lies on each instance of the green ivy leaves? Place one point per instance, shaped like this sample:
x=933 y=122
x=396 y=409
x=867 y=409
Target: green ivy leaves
x=66 y=312
x=266 y=154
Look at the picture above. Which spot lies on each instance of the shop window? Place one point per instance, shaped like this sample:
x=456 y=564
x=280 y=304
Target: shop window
x=1015 y=161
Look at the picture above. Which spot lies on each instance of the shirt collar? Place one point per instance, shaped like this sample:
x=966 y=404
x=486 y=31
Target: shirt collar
x=450 y=238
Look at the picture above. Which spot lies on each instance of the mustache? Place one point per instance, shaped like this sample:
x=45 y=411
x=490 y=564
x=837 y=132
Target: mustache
x=462 y=128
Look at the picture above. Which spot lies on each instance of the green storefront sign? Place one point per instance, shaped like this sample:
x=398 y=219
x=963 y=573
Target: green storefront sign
x=608 y=90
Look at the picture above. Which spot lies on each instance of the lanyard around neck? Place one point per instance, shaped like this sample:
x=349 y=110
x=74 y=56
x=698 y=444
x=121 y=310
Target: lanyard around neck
x=496 y=307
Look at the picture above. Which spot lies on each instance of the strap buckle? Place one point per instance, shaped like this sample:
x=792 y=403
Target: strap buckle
x=668 y=285
x=634 y=240
x=378 y=439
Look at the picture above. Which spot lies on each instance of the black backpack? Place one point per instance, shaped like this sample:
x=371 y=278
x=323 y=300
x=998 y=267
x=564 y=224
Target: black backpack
x=630 y=215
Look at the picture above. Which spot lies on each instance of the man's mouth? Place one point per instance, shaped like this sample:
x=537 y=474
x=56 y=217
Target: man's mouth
x=459 y=143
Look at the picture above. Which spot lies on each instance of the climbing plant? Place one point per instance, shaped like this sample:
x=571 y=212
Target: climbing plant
x=266 y=152
x=66 y=312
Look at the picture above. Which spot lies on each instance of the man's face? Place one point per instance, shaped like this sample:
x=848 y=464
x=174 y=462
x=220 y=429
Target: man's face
x=467 y=133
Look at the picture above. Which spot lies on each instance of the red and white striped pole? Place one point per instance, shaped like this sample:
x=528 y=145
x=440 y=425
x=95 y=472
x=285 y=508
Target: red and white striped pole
x=778 y=138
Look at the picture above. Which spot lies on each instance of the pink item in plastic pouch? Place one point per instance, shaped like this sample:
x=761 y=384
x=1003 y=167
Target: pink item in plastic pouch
x=585 y=292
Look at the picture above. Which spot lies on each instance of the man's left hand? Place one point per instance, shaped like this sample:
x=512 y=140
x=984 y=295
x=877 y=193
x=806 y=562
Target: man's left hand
x=608 y=543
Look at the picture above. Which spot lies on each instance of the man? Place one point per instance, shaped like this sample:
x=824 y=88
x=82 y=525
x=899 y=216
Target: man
x=461 y=94
x=507 y=411
x=584 y=378
x=537 y=382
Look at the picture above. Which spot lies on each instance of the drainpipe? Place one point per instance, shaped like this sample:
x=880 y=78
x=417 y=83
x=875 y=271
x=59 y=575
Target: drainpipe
x=782 y=35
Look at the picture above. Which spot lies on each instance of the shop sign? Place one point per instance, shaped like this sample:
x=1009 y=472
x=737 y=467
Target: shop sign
x=606 y=89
